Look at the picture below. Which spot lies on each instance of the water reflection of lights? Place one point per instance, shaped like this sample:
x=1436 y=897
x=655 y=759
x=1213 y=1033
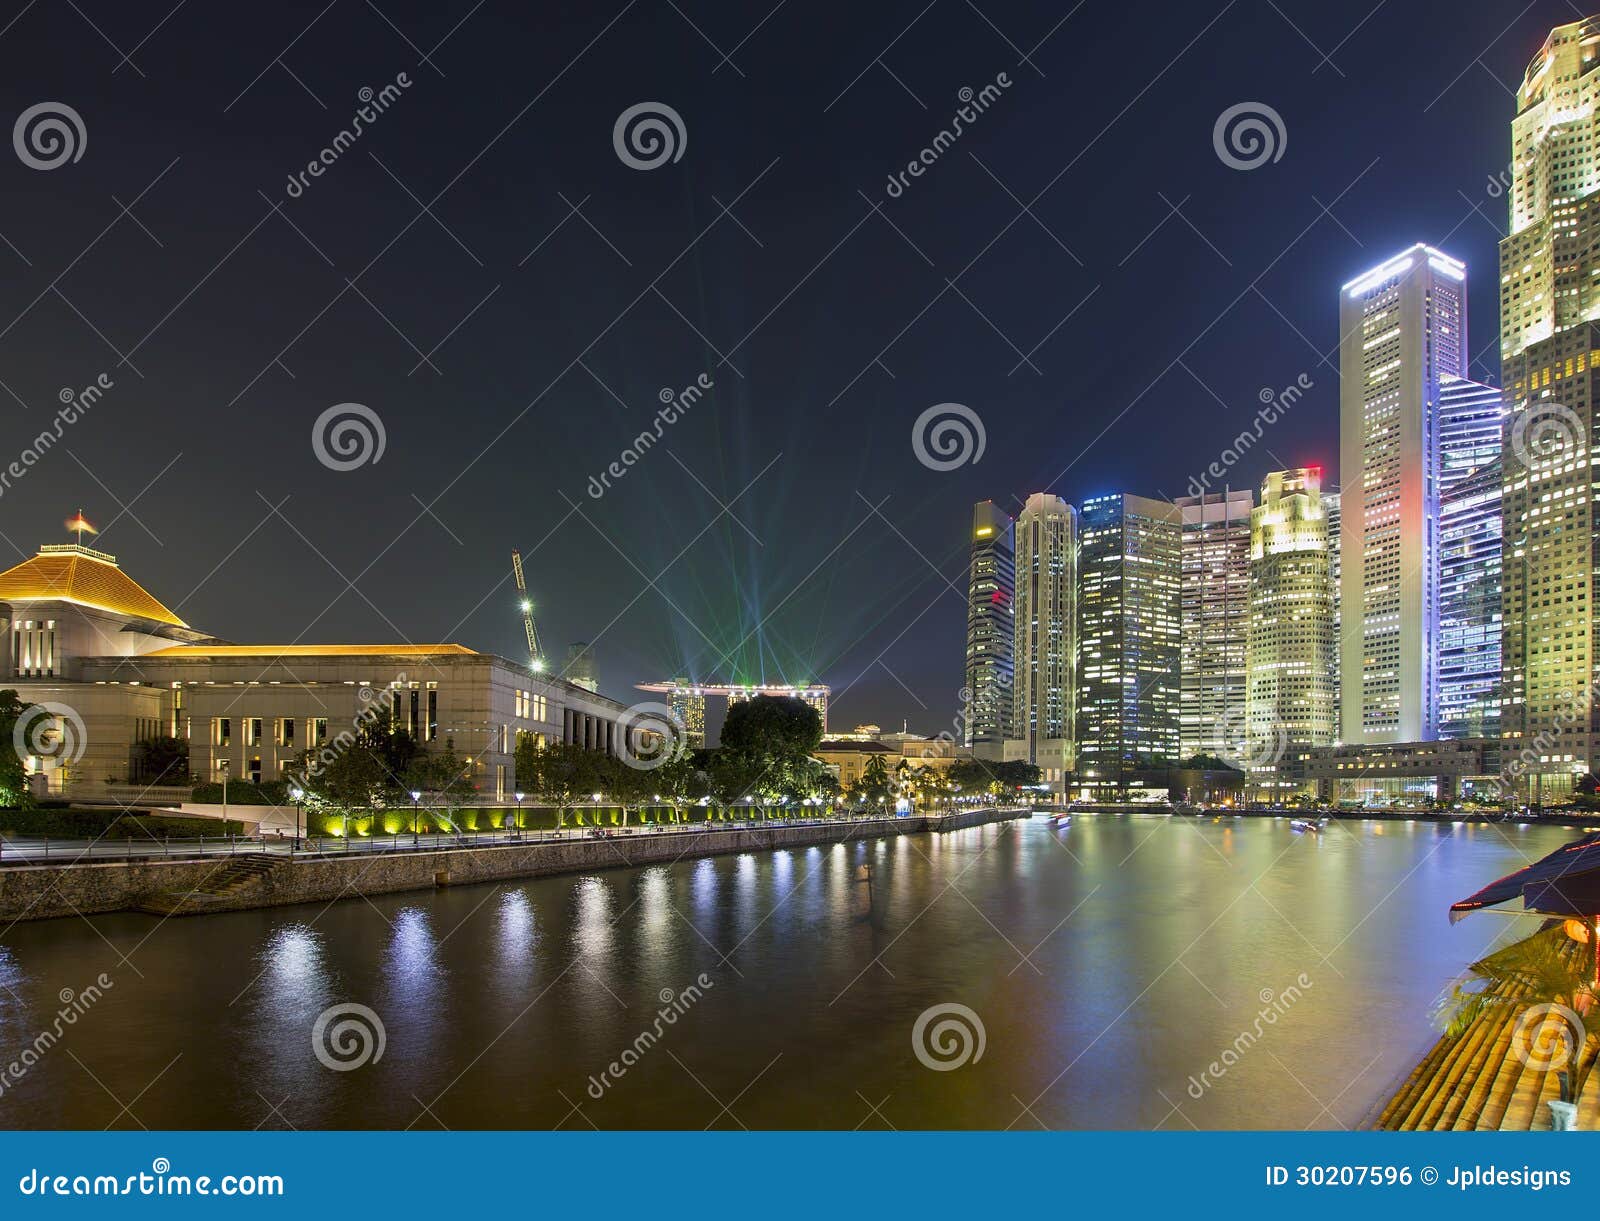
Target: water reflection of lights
x=593 y=931
x=654 y=905
x=515 y=929
x=11 y=978
x=703 y=888
x=292 y=959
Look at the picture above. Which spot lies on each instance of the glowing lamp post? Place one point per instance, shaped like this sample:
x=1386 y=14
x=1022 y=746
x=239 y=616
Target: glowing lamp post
x=296 y=795
x=415 y=798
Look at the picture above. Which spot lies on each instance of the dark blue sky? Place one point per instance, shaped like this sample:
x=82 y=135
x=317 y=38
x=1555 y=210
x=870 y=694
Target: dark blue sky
x=826 y=326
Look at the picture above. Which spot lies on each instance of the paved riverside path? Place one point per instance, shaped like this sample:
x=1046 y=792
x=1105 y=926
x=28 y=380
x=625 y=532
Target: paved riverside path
x=39 y=850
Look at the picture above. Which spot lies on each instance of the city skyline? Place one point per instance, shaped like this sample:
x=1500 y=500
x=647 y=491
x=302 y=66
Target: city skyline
x=519 y=341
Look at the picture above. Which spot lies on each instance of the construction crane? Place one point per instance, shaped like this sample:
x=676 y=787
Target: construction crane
x=535 y=653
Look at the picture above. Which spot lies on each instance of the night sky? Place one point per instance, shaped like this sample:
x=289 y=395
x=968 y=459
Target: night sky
x=513 y=337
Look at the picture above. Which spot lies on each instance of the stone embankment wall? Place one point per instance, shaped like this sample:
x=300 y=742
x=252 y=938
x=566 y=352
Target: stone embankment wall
x=38 y=892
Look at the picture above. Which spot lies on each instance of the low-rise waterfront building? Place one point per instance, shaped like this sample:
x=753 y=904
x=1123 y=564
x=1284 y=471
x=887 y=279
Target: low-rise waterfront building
x=114 y=667
x=1405 y=773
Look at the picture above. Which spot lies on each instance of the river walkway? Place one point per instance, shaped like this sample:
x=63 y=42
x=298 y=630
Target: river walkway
x=238 y=875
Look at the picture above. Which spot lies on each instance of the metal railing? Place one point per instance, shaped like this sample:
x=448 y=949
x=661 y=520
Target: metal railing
x=26 y=850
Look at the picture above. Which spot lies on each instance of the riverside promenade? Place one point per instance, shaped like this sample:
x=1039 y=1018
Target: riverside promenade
x=239 y=875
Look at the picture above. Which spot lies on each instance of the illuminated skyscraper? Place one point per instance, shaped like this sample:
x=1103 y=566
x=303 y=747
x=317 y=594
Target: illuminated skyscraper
x=1549 y=312
x=1470 y=421
x=1332 y=510
x=1045 y=640
x=1403 y=331
x=1215 y=617
x=991 y=584
x=1129 y=564
x=1290 y=658
x=1469 y=606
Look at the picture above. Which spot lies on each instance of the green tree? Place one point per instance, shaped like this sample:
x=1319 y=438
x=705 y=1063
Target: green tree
x=679 y=781
x=162 y=760
x=14 y=789
x=765 y=749
x=875 y=787
x=558 y=773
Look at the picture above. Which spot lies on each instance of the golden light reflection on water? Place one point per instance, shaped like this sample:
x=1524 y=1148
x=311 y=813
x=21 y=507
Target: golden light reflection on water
x=1110 y=961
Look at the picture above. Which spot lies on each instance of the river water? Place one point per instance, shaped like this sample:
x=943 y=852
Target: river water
x=1124 y=972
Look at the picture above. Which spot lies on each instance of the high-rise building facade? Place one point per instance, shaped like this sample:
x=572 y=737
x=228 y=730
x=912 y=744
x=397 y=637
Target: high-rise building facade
x=1402 y=329
x=1129 y=563
x=1044 y=658
x=1470 y=625
x=1290 y=700
x=1550 y=366
x=1471 y=417
x=1214 y=598
x=1332 y=510
x=991 y=586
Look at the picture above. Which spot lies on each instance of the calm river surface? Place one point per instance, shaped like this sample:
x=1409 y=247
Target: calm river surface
x=1109 y=964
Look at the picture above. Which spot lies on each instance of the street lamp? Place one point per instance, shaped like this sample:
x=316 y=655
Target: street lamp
x=518 y=796
x=415 y=797
x=222 y=765
x=296 y=795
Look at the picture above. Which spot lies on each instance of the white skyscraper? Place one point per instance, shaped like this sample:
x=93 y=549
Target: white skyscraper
x=1044 y=654
x=1402 y=329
